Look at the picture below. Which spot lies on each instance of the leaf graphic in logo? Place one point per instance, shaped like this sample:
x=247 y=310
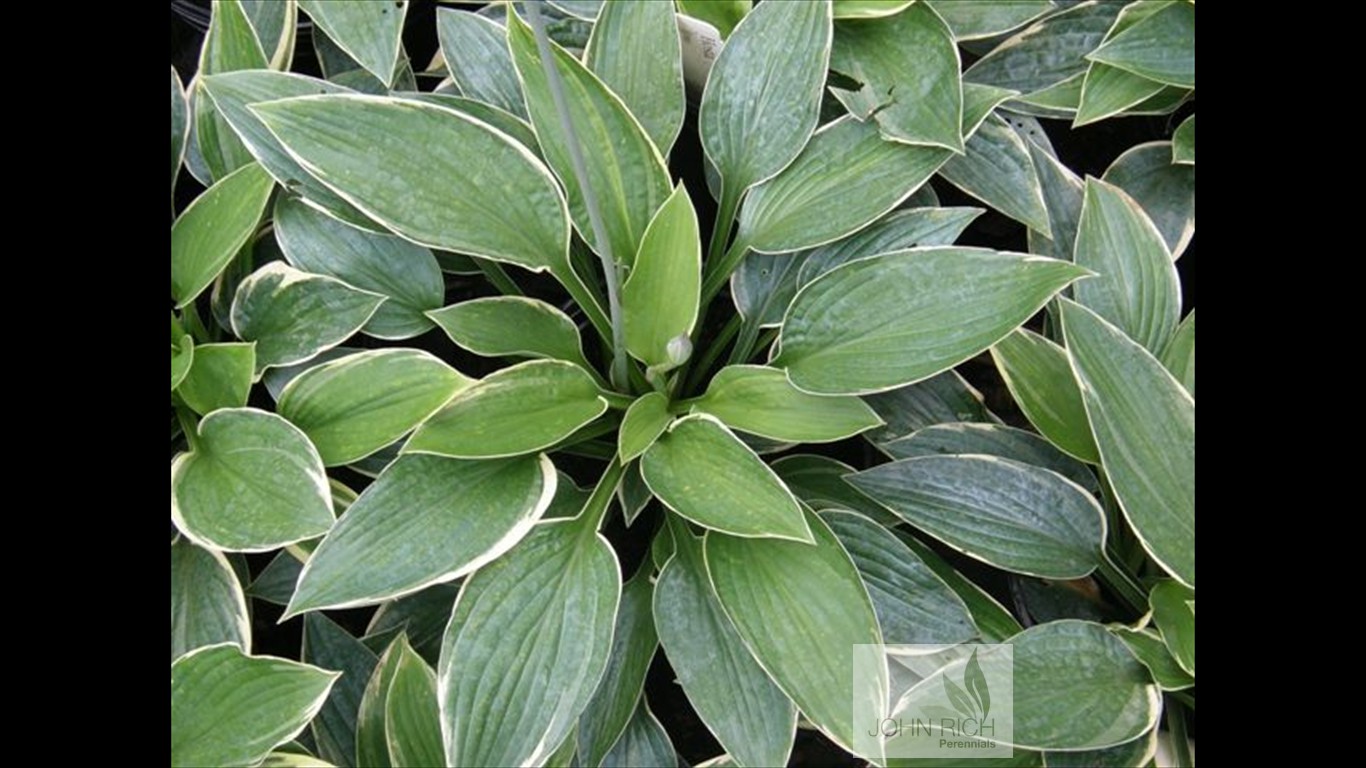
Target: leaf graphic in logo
x=958 y=697
x=976 y=683
x=936 y=712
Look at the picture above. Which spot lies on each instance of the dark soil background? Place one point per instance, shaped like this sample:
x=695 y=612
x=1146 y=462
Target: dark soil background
x=1088 y=150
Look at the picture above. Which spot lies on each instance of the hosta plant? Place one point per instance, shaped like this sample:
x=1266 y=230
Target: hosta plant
x=632 y=334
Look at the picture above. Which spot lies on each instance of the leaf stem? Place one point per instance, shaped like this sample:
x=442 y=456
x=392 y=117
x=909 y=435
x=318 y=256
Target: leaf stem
x=720 y=271
x=1122 y=584
x=1176 y=728
x=188 y=426
x=604 y=245
x=725 y=220
x=595 y=509
x=499 y=277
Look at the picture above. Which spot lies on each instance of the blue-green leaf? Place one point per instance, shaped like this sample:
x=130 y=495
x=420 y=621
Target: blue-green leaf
x=635 y=50
x=210 y=232
x=477 y=57
x=371 y=33
x=293 y=315
x=207 y=602
x=996 y=169
x=1039 y=376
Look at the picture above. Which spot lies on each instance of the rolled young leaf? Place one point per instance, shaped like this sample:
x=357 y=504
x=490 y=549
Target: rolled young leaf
x=754 y=720
x=425 y=520
x=358 y=404
x=253 y=482
x=645 y=420
x=761 y=401
x=515 y=411
x=1144 y=424
x=1014 y=516
x=228 y=708
x=527 y=644
x=740 y=496
x=207 y=603
x=801 y=610
x=889 y=320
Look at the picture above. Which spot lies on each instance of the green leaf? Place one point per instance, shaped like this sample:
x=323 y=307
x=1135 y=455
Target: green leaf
x=634 y=495
x=609 y=713
x=635 y=51
x=1048 y=52
x=352 y=407
x=808 y=203
x=214 y=228
x=1164 y=190
x=515 y=411
x=1140 y=751
x=372 y=742
x=228 y=708
x=659 y=300
x=889 y=320
x=476 y=54
x=329 y=646
x=422 y=171
x=801 y=609
x=370 y=33
x=702 y=471
x=1108 y=91
x=763 y=95
x=869 y=9
x=913 y=605
x=1062 y=196
x=425 y=520
x=1183 y=142
x=1173 y=607
x=979 y=103
x=229 y=44
x=406 y=275
x=501 y=326
x=412 y=722
x=275 y=26
x=1058 y=101
x=907 y=65
x=233 y=91
x=293 y=315
x=992 y=440
x=421 y=616
x=1079 y=687
x=1144 y=425
x=180 y=126
x=526 y=646
x=1039 y=376
x=979 y=19
x=722 y=14
x=644 y=742
x=763 y=285
x=1014 y=516
x=207 y=603
x=761 y=401
x=627 y=176
x=182 y=354
x=896 y=231
x=276 y=379
x=275 y=583
x=944 y=397
x=292 y=760
x=220 y=377
x=995 y=623
x=734 y=697
x=1136 y=286
x=1179 y=356
x=253 y=483
x=587 y=10
x=1147 y=645
x=997 y=170
x=819 y=482
x=507 y=122
x=1160 y=46
x=645 y=421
